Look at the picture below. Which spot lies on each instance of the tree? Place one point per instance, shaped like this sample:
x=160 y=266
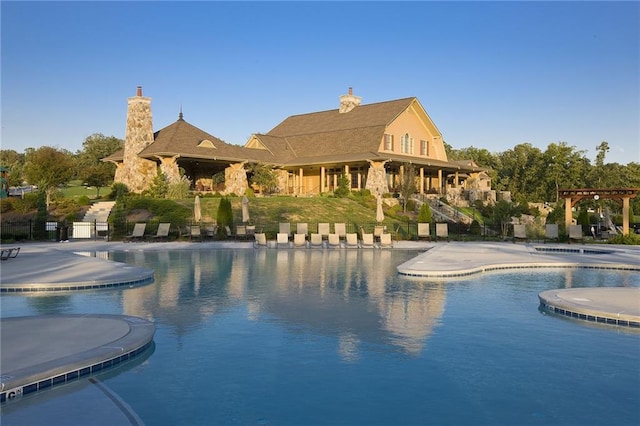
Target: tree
x=159 y=186
x=264 y=177
x=224 y=217
x=424 y=215
x=14 y=162
x=343 y=187
x=91 y=169
x=602 y=149
x=48 y=168
x=407 y=183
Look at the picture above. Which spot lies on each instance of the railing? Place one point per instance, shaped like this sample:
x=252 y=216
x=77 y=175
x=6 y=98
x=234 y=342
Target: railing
x=33 y=230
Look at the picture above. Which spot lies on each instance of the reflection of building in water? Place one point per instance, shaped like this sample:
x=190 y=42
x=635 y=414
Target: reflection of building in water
x=333 y=291
x=354 y=295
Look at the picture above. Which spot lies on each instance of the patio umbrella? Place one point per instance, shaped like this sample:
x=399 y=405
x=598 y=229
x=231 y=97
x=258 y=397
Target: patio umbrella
x=245 y=209
x=197 y=212
x=379 y=212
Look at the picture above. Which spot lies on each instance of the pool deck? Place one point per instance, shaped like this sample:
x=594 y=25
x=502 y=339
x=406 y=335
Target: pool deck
x=74 y=342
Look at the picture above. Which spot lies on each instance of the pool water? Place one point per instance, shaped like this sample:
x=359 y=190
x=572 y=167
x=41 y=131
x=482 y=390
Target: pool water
x=337 y=337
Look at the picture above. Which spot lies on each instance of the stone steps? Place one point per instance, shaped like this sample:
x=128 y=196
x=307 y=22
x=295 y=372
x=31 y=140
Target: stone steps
x=99 y=212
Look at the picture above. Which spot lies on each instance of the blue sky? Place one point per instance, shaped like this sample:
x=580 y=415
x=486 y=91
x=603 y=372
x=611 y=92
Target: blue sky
x=490 y=74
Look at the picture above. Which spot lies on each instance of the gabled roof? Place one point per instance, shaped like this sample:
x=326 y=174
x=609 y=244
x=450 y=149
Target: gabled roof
x=186 y=140
x=327 y=135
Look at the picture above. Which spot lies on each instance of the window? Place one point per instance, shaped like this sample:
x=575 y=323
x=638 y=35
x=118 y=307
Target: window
x=424 y=147
x=406 y=145
x=388 y=142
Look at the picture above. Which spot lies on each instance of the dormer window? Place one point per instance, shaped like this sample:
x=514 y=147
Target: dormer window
x=424 y=148
x=206 y=143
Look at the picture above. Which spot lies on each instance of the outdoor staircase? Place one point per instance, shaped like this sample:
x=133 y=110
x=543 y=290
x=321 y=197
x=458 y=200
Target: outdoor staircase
x=99 y=212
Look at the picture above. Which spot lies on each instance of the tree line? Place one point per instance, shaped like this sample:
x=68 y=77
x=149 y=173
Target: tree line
x=529 y=173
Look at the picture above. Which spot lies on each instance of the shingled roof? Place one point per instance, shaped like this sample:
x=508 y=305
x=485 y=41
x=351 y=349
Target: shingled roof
x=331 y=135
x=184 y=139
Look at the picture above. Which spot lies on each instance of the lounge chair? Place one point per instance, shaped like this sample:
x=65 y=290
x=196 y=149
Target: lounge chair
x=423 y=230
x=9 y=253
x=299 y=240
x=519 y=232
x=162 y=233
x=316 y=241
x=138 y=232
x=261 y=240
x=323 y=229
x=378 y=230
x=334 y=241
x=575 y=233
x=210 y=231
x=340 y=228
x=195 y=233
x=241 y=232
x=352 y=240
x=282 y=240
x=284 y=228
x=442 y=231
x=385 y=240
x=302 y=228
x=367 y=240
x=551 y=232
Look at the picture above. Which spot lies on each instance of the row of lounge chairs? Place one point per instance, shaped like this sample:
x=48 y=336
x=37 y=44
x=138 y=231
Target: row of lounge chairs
x=551 y=232
x=138 y=233
x=333 y=240
x=9 y=253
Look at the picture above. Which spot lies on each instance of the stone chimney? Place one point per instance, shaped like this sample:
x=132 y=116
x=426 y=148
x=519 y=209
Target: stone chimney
x=349 y=102
x=137 y=173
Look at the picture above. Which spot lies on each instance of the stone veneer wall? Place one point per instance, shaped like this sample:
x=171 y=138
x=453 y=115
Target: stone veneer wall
x=235 y=179
x=137 y=173
x=377 y=178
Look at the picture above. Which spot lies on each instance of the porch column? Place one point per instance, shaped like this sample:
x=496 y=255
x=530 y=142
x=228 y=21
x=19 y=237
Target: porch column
x=322 y=178
x=439 y=181
x=455 y=182
x=300 y=180
x=346 y=174
x=567 y=214
x=421 y=189
x=335 y=181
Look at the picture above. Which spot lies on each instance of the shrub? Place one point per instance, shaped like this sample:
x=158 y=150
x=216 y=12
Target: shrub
x=629 y=239
x=224 y=217
x=475 y=228
x=343 y=187
x=425 y=213
x=84 y=200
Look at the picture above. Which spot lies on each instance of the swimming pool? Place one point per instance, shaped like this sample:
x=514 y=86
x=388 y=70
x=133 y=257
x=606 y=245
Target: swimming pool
x=291 y=337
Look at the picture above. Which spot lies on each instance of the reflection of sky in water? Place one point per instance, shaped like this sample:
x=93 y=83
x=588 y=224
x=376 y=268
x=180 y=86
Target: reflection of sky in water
x=338 y=337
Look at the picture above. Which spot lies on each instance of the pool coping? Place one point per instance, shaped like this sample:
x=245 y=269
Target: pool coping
x=66 y=359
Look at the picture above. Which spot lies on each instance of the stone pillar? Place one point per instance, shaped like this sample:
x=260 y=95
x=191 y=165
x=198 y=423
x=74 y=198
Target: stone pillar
x=169 y=166
x=567 y=214
x=376 y=178
x=235 y=179
x=137 y=173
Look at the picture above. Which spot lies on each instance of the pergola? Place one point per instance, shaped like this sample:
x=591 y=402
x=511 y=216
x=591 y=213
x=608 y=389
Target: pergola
x=620 y=195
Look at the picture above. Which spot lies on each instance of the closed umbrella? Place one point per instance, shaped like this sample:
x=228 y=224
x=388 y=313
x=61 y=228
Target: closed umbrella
x=197 y=212
x=245 y=209
x=379 y=212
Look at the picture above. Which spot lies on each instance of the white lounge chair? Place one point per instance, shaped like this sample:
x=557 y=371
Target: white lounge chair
x=299 y=240
x=334 y=241
x=340 y=228
x=385 y=240
x=551 y=232
x=575 y=233
x=352 y=240
x=261 y=240
x=367 y=240
x=423 y=230
x=316 y=241
x=138 y=232
x=323 y=229
x=163 y=232
x=284 y=228
x=442 y=231
x=302 y=228
x=519 y=232
x=282 y=240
